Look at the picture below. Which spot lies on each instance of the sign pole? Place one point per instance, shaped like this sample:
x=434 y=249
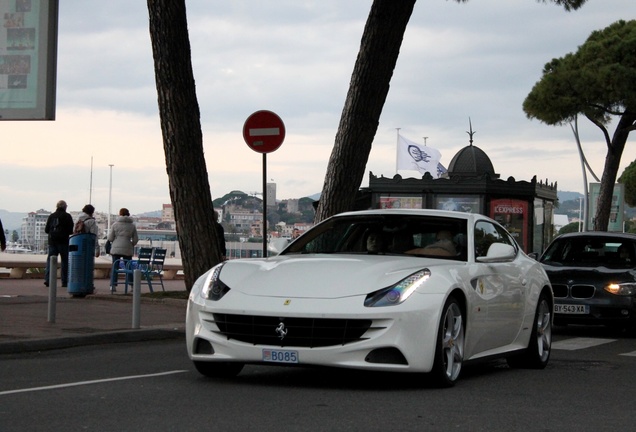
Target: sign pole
x=264 y=132
x=264 y=205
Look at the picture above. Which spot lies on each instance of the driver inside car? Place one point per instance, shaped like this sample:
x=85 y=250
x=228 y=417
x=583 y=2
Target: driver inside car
x=443 y=246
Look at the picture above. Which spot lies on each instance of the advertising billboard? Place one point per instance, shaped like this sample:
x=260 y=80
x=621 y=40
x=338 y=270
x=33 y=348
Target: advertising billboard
x=28 y=52
x=466 y=204
x=618 y=206
x=513 y=215
x=405 y=202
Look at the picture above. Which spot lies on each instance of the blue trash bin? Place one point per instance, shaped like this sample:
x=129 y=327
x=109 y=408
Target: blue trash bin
x=81 y=263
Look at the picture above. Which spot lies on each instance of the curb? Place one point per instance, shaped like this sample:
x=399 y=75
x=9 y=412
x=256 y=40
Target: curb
x=123 y=336
x=128 y=298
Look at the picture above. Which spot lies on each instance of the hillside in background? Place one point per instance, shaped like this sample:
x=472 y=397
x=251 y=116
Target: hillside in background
x=570 y=205
x=11 y=220
x=568 y=196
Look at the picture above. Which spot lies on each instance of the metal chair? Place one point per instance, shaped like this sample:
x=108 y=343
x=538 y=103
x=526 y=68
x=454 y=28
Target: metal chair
x=154 y=271
x=128 y=267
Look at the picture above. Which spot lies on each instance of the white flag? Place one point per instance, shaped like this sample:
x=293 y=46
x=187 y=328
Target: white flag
x=415 y=157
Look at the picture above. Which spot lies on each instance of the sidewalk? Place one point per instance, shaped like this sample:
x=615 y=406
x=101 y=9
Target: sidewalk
x=95 y=319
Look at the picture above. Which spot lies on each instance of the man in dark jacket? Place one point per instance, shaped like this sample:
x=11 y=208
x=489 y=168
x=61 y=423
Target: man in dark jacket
x=3 y=239
x=59 y=226
x=220 y=234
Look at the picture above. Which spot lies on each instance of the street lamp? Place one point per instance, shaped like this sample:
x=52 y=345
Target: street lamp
x=110 y=195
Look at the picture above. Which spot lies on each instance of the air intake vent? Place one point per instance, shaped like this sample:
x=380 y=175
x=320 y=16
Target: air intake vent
x=291 y=332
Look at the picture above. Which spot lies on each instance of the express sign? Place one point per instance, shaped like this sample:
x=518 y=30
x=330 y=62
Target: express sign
x=264 y=131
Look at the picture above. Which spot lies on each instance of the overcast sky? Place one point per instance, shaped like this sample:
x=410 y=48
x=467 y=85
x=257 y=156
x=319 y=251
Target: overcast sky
x=474 y=60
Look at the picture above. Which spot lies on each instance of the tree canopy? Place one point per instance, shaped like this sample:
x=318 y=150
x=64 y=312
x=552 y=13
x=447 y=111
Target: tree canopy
x=628 y=179
x=568 y=5
x=598 y=82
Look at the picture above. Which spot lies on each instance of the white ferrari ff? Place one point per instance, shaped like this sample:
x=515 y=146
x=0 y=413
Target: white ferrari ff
x=392 y=290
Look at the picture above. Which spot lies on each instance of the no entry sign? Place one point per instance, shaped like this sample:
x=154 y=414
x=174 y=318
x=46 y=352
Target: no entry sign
x=264 y=131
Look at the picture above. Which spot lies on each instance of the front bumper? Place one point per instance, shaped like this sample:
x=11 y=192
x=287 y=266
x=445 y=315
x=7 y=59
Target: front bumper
x=605 y=311
x=400 y=338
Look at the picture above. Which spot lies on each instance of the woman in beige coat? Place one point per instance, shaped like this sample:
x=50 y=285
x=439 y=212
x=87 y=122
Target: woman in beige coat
x=123 y=238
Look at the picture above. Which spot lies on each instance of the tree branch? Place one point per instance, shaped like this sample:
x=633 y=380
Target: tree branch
x=607 y=110
x=603 y=129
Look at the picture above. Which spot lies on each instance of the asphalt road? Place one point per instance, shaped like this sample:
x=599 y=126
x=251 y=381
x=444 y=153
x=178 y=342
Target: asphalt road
x=151 y=386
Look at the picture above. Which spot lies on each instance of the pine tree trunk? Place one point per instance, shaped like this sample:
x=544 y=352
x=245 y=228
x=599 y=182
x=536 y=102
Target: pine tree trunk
x=610 y=170
x=182 y=138
x=369 y=86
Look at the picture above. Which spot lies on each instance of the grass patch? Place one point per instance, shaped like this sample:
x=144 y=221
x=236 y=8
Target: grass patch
x=181 y=295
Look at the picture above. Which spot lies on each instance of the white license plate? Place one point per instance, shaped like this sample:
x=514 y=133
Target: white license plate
x=280 y=356
x=571 y=309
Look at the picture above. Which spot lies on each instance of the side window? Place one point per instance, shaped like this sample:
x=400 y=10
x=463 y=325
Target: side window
x=506 y=238
x=487 y=233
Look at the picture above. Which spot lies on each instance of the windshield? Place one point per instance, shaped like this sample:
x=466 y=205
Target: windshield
x=612 y=252
x=386 y=234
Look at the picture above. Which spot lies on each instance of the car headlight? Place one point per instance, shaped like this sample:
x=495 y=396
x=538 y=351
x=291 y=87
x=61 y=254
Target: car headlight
x=398 y=293
x=213 y=288
x=621 y=289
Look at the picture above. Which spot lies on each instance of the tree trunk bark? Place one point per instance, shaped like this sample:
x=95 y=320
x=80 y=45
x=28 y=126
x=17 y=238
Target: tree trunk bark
x=183 y=139
x=369 y=86
x=610 y=170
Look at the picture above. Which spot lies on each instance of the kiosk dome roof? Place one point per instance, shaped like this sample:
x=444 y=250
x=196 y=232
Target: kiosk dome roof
x=471 y=161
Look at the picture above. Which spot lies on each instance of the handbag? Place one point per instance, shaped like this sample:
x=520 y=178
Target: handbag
x=107 y=246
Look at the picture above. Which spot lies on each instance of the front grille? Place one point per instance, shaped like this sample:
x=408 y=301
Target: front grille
x=560 y=291
x=582 y=291
x=575 y=291
x=295 y=332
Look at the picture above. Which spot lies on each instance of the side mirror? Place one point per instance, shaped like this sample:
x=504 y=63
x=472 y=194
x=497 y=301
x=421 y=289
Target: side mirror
x=534 y=256
x=498 y=252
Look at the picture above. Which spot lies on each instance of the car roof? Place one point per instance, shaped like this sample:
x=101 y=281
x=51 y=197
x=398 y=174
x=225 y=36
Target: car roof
x=416 y=212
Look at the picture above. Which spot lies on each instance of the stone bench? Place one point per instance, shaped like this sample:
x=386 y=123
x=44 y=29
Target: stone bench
x=18 y=264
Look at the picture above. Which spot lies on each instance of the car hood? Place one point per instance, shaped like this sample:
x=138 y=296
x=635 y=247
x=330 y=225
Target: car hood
x=587 y=274
x=322 y=276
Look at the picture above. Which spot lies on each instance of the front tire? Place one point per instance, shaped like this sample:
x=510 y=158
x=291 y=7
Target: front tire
x=217 y=369
x=449 y=352
x=537 y=354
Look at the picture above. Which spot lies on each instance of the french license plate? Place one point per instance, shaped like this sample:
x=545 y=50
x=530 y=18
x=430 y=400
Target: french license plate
x=571 y=309
x=280 y=356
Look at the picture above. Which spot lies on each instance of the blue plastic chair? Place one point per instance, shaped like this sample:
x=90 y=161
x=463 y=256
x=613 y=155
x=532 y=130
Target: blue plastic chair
x=128 y=267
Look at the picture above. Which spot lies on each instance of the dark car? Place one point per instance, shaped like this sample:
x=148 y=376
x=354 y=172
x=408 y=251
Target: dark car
x=593 y=276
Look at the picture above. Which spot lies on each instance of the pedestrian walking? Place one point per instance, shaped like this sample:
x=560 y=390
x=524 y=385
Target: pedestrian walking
x=59 y=226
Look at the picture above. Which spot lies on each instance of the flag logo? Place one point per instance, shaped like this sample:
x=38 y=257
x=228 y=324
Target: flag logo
x=414 y=157
x=418 y=155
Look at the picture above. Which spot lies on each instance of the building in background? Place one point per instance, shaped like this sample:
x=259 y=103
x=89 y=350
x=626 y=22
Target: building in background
x=167 y=213
x=271 y=194
x=292 y=206
x=32 y=235
x=246 y=221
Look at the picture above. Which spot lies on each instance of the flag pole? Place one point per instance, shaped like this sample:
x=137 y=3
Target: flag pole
x=397 y=149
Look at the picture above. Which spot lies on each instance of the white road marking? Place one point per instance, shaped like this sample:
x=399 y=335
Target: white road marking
x=80 y=383
x=630 y=354
x=580 y=343
x=264 y=131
